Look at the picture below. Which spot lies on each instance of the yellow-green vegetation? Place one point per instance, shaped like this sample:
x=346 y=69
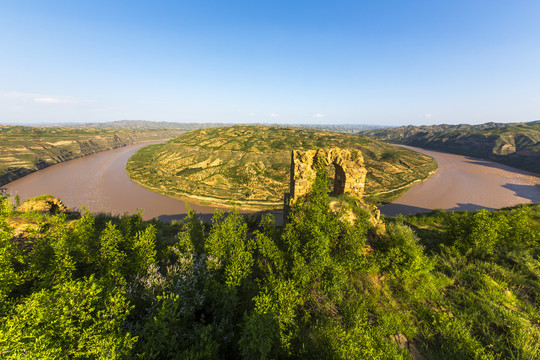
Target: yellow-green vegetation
x=514 y=144
x=26 y=149
x=436 y=286
x=250 y=165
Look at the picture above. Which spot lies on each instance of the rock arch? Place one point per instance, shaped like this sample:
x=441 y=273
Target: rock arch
x=349 y=164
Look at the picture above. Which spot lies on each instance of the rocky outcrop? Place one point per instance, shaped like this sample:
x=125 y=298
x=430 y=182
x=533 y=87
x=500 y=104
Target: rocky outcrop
x=45 y=204
x=350 y=178
x=350 y=175
x=401 y=341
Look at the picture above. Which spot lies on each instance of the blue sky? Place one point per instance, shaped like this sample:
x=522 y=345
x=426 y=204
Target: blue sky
x=321 y=62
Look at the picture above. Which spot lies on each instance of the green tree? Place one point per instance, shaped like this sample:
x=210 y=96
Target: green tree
x=9 y=255
x=477 y=235
x=144 y=250
x=76 y=319
x=112 y=258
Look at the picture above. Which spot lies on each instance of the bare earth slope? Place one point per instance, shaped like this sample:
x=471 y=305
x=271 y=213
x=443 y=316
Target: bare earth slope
x=26 y=149
x=250 y=164
x=514 y=144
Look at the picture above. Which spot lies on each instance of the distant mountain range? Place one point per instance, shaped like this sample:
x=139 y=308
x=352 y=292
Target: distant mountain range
x=347 y=129
x=141 y=124
x=514 y=144
x=146 y=124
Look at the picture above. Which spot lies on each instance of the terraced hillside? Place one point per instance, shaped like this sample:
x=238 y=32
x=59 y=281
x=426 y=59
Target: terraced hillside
x=250 y=164
x=26 y=149
x=515 y=144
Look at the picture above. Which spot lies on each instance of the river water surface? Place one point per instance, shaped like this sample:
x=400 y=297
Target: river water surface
x=100 y=182
x=465 y=183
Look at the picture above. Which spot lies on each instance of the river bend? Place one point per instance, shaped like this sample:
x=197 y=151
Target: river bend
x=100 y=182
x=466 y=183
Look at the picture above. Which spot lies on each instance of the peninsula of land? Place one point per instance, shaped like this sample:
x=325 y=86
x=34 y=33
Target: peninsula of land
x=249 y=166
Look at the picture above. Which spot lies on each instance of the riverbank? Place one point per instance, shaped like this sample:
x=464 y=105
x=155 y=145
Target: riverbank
x=24 y=150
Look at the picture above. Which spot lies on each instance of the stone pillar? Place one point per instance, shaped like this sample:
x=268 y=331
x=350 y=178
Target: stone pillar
x=350 y=171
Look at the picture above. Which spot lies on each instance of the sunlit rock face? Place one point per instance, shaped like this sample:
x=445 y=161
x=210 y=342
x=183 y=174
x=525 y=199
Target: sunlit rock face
x=46 y=204
x=350 y=175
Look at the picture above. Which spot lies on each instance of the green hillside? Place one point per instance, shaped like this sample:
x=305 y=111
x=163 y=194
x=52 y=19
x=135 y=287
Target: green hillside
x=515 y=144
x=251 y=164
x=26 y=149
x=327 y=285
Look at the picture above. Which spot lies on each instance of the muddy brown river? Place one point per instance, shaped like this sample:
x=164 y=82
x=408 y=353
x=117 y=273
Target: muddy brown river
x=100 y=182
x=465 y=183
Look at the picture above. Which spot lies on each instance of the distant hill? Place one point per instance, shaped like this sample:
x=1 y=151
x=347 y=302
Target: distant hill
x=348 y=129
x=514 y=144
x=250 y=164
x=143 y=124
x=24 y=149
x=146 y=124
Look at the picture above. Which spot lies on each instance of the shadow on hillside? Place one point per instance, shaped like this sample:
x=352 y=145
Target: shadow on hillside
x=530 y=192
x=207 y=218
x=500 y=166
x=469 y=207
x=396 y=209
x=491 y=164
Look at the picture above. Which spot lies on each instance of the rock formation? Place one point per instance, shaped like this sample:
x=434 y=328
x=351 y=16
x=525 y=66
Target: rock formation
x=350 y=171
x=46 y=204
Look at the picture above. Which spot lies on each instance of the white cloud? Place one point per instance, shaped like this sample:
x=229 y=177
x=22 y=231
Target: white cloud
x=318 y=115
x=151 y=102
x=427 y=116
x=41 y=98
x=274 y=115
x=52 y=100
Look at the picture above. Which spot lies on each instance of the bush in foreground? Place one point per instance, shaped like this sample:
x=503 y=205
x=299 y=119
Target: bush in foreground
x=443 y=285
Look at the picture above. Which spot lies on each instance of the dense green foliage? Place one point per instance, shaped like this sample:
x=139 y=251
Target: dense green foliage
x=514 y=144
x=250 y=165
x=326 y=285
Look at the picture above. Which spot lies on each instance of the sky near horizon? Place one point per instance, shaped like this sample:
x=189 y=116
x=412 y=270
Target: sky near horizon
x=383 y=62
